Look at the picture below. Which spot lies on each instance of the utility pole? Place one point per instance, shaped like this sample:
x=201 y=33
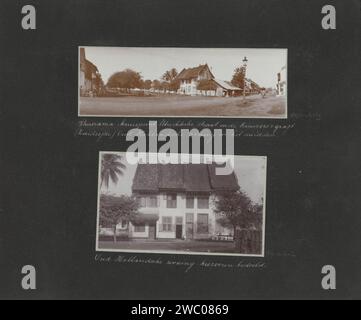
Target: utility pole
x=245 y=60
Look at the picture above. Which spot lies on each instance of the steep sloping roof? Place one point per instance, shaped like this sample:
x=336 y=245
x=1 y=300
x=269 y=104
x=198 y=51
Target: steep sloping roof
x=226 y=85
x=192 y=73
x=91 y=66
x=196 y=178
x=181 y=177
x=222 y=182
x=146 y=178
x=170 y=177
x=90 y=69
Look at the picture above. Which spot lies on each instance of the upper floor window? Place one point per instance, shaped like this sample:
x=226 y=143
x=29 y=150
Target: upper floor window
x=171 y=201
x=203 y=202
x=148 y=201
x=190 y=202
x=152 y=202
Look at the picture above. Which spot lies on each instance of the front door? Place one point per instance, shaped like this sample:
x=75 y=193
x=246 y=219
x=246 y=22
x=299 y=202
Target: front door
x=152 y=231
x=179 y=231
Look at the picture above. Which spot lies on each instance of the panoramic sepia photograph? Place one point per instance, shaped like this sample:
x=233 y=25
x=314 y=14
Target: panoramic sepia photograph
x=181 y=208
x=182 y=82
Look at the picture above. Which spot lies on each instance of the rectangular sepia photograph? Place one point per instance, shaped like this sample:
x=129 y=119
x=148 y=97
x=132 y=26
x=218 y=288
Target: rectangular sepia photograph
x=181 y=208
x=182 y=82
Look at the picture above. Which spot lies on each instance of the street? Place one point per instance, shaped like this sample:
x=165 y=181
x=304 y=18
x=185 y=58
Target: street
x=185 y=106
x=170 y=245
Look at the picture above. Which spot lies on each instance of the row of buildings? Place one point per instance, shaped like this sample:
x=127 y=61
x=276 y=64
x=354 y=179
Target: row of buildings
x=282 y=82
x=192 y=81
x=201 y=81
x=197 y=81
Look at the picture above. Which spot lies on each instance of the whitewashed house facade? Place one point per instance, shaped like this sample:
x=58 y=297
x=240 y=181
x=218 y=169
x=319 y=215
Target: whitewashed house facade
x=190 y=78
x=200 y=81
x=177 y=202
x=282 y=82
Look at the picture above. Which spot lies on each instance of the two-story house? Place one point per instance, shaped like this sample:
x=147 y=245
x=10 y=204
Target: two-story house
x=177 y=201
x=200 y=81
x=191 y=77
x=90 y=80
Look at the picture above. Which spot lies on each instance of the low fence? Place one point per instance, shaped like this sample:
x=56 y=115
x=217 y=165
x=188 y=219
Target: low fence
x=249 y=241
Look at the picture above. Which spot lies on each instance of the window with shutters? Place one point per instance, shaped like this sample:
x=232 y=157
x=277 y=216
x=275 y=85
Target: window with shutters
x=148 y=201
x=203 y=202
x=171 y=201
x=202 y=223
x=190 y=202
x=152 y=202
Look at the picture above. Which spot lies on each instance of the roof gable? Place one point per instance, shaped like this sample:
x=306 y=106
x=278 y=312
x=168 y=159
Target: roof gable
x=192 y=73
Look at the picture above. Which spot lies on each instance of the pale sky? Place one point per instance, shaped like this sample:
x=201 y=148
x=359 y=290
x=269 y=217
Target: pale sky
x=263 y=64
x=250 y=172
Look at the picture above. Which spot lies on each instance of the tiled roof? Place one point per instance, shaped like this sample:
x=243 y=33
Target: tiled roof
x=181 y=177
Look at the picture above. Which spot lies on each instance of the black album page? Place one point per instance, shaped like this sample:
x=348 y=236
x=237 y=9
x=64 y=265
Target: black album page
x=180 y=150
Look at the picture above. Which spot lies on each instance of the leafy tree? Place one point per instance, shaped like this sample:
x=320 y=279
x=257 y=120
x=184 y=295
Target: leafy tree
x=257 y=218
x=113 y=210
x=237 y=211
x=174 y=85
x=165 y=85
x=238 y=79
x=147 y=84
x=157 y=85
x=256 y=87
x=128 y=79
x=111 y=168
x=171 y=81
x=170 y=75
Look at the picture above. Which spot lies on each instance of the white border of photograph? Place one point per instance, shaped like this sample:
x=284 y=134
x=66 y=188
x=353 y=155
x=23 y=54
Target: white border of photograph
x=281 y=117
x=176 y=252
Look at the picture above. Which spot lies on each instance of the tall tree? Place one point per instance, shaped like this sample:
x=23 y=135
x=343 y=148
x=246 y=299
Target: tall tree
x=237 y=210
x=170 y=75
x=127 y=79
x=113 y=210
x=171 y=81
x=111 y=168
x=165 y=85
x=238 y=78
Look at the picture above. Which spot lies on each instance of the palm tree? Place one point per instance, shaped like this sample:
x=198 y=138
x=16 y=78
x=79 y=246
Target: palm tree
x=112 y=168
